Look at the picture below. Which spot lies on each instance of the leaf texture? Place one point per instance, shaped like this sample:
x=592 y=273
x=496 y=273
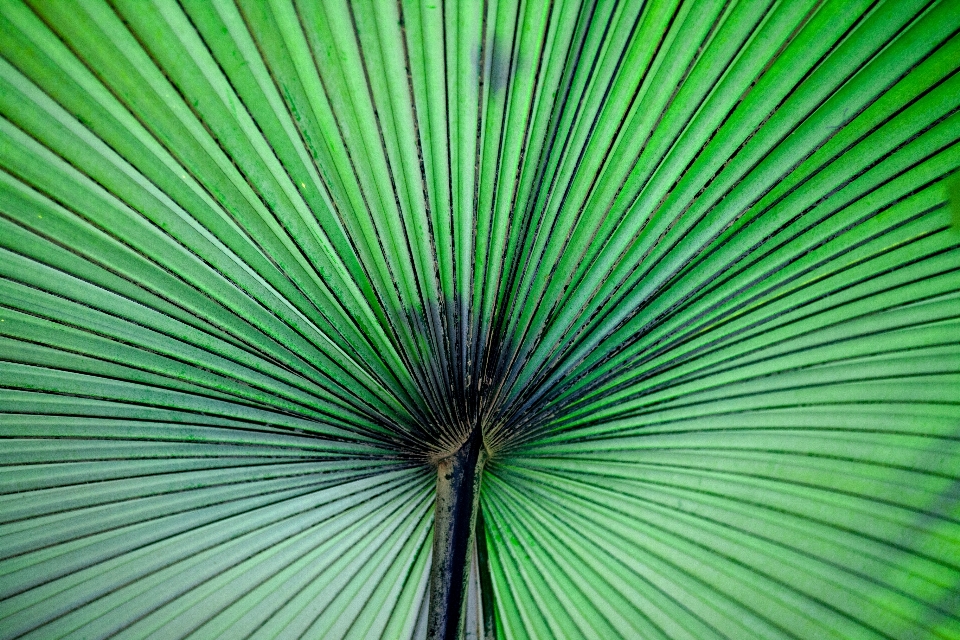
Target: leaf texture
x=693 y=266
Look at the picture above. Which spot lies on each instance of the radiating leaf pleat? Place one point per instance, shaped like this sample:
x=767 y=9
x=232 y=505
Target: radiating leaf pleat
x=692 y=268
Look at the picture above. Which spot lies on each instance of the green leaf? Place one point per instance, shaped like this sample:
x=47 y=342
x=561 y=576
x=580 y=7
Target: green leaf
x=683 y=279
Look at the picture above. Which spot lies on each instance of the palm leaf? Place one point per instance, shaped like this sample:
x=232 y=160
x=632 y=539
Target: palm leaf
x=667 y=292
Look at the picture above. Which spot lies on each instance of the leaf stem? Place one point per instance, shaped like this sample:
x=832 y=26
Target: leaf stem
x=458 y=492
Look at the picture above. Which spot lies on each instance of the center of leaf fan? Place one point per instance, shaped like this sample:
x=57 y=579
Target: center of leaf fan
x=454 y=371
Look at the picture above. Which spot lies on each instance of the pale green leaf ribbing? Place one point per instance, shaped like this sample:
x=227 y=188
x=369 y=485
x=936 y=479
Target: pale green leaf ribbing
x=692 y=267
